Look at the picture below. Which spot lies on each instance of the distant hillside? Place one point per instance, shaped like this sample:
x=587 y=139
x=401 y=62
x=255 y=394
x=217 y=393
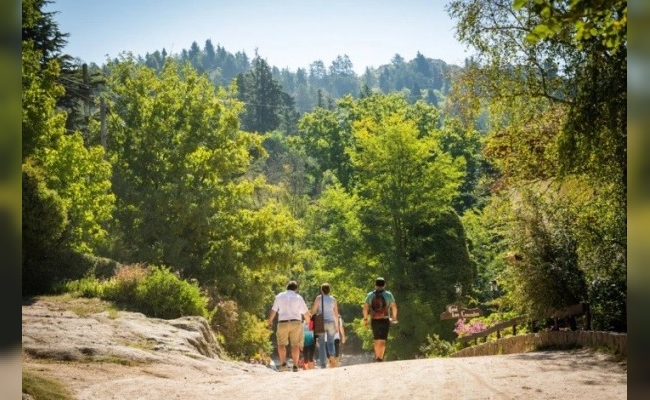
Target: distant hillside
x=421 y=77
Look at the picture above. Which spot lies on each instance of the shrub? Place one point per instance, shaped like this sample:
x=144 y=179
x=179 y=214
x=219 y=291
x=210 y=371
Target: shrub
x=155 y=291
x=121 y=288
x=44 y=219
x=474 y=326
x=85 y=287
x=100 y=267
x=225 y=317
x=69 y=265
x=162 y=294
x=436 y=347
x=242 y=335
x=251 y=337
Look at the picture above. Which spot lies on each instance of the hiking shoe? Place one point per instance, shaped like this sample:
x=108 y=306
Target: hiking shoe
x=295 y=368
x=283 y=367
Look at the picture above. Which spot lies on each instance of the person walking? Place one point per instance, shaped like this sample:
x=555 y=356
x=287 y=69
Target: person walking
x=290 y=308
x=309 y=345
x=326 y=305
x=377 y=307
x=339 y=339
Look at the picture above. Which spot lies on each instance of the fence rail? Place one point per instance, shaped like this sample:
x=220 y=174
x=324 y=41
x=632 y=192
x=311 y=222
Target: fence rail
x=571 y=311
x=495 y=328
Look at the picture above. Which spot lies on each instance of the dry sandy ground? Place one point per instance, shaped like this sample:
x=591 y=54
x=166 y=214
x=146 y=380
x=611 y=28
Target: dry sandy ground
x=171 y=374
x=545 y=375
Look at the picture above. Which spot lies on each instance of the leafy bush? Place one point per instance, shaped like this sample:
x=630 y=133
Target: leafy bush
x=225 y=317
x=155 y=292
x=85 y=287
x=242 y=334
x=162 y=294
x=436 y=347
x=250 y=337
x=121 y=288
x=44 y=219
x=608 y=309
x=100 y=267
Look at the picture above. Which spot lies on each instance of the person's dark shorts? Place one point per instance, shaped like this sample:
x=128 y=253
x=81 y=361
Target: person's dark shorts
x=308 y=352
x=380 y=328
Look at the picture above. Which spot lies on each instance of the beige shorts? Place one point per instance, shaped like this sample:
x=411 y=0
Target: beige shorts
x=290 y=333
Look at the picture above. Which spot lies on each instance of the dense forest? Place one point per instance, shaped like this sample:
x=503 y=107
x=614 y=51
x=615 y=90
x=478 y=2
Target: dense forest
x=211 y=178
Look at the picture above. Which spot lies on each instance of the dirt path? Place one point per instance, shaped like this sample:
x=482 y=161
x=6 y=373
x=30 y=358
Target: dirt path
x=542 y=375
x=129 y=357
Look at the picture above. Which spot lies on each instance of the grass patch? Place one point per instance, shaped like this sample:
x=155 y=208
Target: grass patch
x=40 y=387
x=144 y=344
x=611 y=354
x=81 y=306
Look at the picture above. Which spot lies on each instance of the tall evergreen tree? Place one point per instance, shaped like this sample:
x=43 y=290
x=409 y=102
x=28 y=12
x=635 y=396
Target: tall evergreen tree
x=40 y=28
x=210 y=56
x=262 y=95
x=342 y=77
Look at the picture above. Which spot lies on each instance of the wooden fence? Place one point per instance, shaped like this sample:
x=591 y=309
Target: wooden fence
x=568 y=312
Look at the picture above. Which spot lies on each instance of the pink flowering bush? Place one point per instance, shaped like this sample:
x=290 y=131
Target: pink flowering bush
x=474 y=326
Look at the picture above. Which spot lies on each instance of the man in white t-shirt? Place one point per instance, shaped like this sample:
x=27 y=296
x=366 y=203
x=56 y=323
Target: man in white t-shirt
x=290 y=308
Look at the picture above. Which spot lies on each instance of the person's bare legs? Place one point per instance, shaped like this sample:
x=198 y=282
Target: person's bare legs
x=282 y=354
x=295 y=354
x=380 y=347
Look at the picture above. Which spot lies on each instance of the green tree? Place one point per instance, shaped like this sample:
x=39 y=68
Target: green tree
x=335 y=237
x=404 y=183
x=42 y=31
x=288 y=115
x=187 y=196
x=210 y=56
x=399 y=183
x=176 y=150
x=392 y=215
x=194 y=56
x=546 y=271
x=66 y=183
x=317 y=74
x=342 y=76
x=422 y=65
x=325 y=135
x=369 y=79
x=603 y=20
x=549 y=77
x=80 y=82
x=469 y=144
x=262 y=95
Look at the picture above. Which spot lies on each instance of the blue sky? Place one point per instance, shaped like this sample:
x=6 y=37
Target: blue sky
x=287 y=33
